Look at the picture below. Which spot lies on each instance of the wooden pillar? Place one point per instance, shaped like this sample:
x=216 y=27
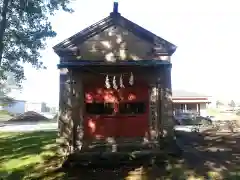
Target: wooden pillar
x=167 y=111
x=71 y=103
x=153 y=117
x=161 y=108
x=62 y=107
x=65 y=121
x=76 y=104
x=185 y=107
x=160 y=102
x=80 y=111
x=198 y=109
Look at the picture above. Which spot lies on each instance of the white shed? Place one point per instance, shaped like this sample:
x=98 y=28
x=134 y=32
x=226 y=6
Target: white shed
x=18 y=107
x=33 y=106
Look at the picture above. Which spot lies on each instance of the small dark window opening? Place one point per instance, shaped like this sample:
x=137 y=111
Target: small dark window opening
x=132 y=108
x=99 y=108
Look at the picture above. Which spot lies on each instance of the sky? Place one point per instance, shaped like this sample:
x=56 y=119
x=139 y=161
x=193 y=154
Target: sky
x=207 y=34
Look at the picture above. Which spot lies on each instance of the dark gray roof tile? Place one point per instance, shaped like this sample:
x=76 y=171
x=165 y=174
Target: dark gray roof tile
x=183 y=93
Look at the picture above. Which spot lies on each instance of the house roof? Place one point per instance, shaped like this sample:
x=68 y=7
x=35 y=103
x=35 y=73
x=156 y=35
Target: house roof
x=183 y=93
x=114 y=18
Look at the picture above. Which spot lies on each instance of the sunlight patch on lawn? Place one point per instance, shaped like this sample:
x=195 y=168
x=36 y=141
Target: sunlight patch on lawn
x=215 y=175
x=27 y=160
x=19 y=163
x=28 y=155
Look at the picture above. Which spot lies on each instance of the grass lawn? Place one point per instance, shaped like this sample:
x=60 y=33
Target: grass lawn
x=4 y=116
x=213 y=112
x=28 y=156
x=3 y=112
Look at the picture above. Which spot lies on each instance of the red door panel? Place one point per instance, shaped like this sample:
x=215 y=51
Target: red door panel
x=132 y=126
x=116 y=124
x=97 y=126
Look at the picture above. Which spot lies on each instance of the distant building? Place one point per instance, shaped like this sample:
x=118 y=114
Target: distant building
x=17 y=107
x=21 y=106
x=34 y=106
x=184 y=101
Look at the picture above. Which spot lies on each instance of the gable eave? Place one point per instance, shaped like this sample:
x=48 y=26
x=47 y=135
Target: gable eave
x=143 y=33
x=85 y=34
x=118 y=20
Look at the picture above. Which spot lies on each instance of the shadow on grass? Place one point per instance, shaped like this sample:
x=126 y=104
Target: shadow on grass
x=206 y=156
x=213 y=153
x=16 y=145
x=33 y=156
x=23 y=153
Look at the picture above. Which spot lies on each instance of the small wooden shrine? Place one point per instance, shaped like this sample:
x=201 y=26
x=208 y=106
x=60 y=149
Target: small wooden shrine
x=115 y=87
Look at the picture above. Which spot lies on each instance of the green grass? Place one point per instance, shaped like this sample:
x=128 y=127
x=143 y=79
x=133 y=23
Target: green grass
x=5 y=116
x=4 y=112
x=28 y=156
x=213 y=112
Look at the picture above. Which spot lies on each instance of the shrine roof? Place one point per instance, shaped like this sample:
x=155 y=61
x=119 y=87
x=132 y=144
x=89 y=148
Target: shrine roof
x=114 y=19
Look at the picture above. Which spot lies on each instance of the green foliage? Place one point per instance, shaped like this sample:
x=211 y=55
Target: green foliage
x=213 y=112
x=4 y=113
x=6 y=86
x=238 y=113
x=24 y=29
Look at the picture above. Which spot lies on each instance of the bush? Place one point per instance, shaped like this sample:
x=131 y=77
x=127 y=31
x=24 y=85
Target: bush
x=238 y=113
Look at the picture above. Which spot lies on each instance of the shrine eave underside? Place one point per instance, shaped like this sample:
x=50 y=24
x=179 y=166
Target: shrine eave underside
x=142 y=63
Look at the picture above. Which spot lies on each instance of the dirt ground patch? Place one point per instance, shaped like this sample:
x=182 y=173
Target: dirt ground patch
x=29 y=116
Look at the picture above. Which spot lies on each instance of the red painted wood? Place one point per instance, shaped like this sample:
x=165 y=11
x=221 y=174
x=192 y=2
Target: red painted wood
x=117 y=125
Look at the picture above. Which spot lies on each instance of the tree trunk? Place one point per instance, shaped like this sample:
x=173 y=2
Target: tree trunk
x=3 y=23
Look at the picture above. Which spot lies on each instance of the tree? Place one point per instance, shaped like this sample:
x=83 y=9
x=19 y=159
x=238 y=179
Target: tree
x=24 y=29
x=4 y=98
x=6 y=86
x=232 y=104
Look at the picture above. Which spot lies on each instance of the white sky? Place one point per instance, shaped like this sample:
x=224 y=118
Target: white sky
x=207 y=33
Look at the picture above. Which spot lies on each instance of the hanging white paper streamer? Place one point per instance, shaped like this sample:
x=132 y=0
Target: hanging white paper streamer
x=121 y=82
x=115 y=83
x=131 y=79
x=107 y=84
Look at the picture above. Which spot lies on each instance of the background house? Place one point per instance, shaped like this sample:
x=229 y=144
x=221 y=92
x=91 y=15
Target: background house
x=184 y=101
x=21 y=106
x=17 y=107
x=34 y=106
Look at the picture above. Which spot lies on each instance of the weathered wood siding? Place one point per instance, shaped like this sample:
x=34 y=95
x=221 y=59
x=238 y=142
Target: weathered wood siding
x=117 y=43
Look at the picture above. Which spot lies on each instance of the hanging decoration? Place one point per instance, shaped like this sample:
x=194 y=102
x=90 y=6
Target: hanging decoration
x=115 y=83
x=131 y=79
x=121 y=82
x=107 y=84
